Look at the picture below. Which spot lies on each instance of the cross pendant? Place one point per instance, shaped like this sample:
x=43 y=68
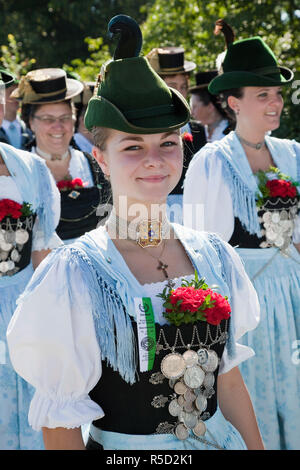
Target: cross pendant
x=163 y=267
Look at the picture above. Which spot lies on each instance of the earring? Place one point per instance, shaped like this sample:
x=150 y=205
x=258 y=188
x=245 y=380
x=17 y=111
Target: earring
x=237 y=112
x=107 y=177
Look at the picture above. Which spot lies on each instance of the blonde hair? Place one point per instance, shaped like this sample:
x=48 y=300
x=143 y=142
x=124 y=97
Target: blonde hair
x=100 y=136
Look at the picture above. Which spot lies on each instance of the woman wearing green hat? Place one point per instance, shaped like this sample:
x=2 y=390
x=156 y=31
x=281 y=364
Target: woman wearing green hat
x=254 y=208
x=29 y=214
x=104 y=348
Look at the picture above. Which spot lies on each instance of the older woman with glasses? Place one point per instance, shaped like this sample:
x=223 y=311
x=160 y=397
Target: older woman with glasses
x=46 y=96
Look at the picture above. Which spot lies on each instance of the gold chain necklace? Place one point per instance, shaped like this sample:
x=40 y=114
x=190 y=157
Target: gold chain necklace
x=161 y=265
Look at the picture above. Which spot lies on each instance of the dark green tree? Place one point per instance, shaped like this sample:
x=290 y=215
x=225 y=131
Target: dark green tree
x=53 y=32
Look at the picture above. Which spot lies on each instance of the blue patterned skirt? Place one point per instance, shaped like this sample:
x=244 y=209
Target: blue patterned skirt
x=273 y=374
x=15 y=393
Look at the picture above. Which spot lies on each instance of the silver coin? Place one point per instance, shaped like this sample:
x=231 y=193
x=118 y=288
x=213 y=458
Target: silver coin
x=280 y=229
x=279 y=242
x=197 y=391
x=190 y=357
x=9 y=236
x=5 y=246
x=267 y=217
x=208 y=392
x=181 y=400
x=4 y=267
x=286 y=224
x=22 y=236
x=180 y=388
x=275 y=217
x=284 y=215
x=190 y=419
x=199 y=429
x=174 y=408
x=181 y=416
x=10 y=265
x=202 y=356
x=2 y=232
x=201 y=402
x=15 y=255
x=194 y=376
x=4 y=255
x=189 y=395
x=209 y=380
x=188 y=406
x=271 y=235
x=212 y=362
x=173 y=366
x=181 y=431
x=172 y=382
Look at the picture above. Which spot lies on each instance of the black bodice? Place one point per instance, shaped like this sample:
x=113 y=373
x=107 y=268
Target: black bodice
x=80 y=207
x=242 y=238
x=15 y=244
x=142 y=408
x=276 y=217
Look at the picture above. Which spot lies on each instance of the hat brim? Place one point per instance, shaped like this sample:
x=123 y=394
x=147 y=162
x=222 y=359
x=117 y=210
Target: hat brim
x=187 y=68
x=194 y=89
x=103 y=113
x=238 y=79
x=74 y=88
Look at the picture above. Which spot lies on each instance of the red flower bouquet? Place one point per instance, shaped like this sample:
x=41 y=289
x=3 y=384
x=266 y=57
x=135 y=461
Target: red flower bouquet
x=10 y=208
x=68 y=184
x=194 y=301
x=187 y=136
x=283 y=186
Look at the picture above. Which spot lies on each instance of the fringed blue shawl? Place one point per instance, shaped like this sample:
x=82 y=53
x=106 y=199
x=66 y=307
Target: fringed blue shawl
x=35 y=184
x=240 y=178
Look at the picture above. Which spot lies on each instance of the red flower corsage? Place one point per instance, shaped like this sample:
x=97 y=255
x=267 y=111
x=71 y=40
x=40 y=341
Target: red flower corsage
x=10 y=208
x=282 y=186
x=194 y=301
x=68 y=184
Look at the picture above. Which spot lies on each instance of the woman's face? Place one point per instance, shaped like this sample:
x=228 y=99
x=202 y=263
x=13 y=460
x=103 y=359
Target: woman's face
x=144 y=168
x=180 y=82
x=53 y=125
x=259 y=108
x=206 y=114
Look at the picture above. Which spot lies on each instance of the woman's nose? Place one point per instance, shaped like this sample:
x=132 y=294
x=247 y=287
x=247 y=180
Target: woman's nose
x=153 y=157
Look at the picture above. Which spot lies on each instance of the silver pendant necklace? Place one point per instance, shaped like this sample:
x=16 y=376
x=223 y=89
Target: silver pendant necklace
x=257 y=146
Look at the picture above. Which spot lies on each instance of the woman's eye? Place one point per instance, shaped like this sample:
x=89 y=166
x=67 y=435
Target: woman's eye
x=262 y=95
x=168 y=143
x=133 y=147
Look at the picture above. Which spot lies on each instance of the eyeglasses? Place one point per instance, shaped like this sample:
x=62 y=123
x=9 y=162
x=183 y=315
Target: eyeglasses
x=48 y=120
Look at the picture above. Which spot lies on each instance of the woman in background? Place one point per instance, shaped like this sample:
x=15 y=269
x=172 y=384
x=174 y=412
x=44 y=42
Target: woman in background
x=29 y=214
x=254 y=208
x=47 y=96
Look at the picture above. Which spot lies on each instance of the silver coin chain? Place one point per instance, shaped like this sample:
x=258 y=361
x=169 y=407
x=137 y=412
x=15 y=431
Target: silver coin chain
x=220 y=337
x=8 y=226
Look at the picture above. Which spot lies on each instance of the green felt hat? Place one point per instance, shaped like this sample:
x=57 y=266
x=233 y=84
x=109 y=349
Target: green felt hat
x=131 y=97
x=249 y=62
